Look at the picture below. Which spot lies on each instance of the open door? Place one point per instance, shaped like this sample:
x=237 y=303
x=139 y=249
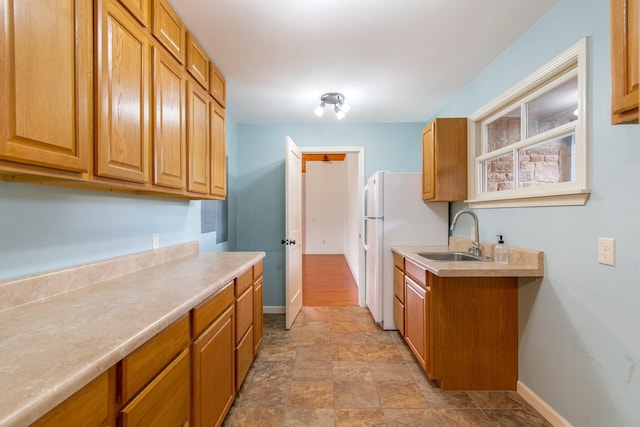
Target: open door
x=293 y=230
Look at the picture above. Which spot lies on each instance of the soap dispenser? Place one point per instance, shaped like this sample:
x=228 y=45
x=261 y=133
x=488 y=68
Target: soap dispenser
x=501 y=252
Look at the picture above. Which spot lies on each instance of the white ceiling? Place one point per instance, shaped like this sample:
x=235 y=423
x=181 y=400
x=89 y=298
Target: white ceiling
x=394 y=60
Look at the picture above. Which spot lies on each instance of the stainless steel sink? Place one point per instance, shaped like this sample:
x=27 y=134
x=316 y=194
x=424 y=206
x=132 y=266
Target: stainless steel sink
x=452 y=256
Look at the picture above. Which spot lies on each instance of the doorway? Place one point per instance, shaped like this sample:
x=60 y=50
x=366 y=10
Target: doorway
x=333 y=258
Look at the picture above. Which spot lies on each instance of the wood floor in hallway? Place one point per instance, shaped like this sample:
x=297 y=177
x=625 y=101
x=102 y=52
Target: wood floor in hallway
x=327 y=281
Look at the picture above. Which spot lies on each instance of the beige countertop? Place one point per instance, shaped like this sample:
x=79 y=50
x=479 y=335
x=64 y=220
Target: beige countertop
x=522 y=262
x=53 y=345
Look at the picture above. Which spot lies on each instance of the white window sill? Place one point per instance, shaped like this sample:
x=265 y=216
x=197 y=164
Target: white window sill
x=577 y=198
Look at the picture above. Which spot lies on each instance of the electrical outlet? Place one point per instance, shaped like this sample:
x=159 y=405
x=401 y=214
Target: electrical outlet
x=472 y=233
x=155 y=241
x=607 y=251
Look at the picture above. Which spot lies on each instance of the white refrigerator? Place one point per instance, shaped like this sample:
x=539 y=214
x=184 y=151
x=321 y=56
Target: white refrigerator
x=396 y=215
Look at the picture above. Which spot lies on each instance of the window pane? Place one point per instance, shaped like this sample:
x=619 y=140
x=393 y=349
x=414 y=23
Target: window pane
x=547 y=163
x=499 y=173
x=553 y=108
x=504 y=130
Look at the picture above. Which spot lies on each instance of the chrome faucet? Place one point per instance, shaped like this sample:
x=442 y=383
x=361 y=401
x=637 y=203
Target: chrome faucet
x=475 y=249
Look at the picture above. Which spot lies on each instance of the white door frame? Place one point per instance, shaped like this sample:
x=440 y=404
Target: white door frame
x=359 y=151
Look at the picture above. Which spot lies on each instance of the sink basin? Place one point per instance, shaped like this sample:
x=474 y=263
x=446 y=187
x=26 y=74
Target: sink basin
x=452 y=256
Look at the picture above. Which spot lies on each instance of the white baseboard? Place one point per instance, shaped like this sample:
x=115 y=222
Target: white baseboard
x=541 y=406
x=273 y=309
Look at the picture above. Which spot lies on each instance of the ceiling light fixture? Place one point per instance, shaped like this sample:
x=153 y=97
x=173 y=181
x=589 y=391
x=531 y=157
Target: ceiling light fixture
x=337 y=100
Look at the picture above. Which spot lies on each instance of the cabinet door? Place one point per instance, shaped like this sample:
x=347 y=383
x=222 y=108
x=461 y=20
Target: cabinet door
x=398 y=315
x=124 y=76
x=197 y=61
x=217 y=85
x=625 y=34
x=257 y=315
x=415 y=319
x=244 y=357
x=198 y=105
x=214 y=372
x=218 y=152
x=169 y=29
x=139 y=9
x=165 y=401
x=170 y=136
x=428 y=163
x=46 y=82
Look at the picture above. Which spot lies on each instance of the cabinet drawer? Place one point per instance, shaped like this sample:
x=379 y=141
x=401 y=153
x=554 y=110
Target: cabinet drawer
x=398 y=261
x=257 y=269
x=143 y=364
x=398 y=284
x=166 y=401
x=243 y=281
x=207 y=311
x=244 y=313
x=169 y=29
x=398 y=315
x=417 y=273
x=244 y=357
x=88 y=406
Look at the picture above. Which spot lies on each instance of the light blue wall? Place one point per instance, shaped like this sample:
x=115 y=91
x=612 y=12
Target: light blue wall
x=44 y=228
x=580 y=327
x=261 y=175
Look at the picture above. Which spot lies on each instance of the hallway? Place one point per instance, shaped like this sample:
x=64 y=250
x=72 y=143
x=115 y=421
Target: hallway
x=327 y=281
x=335 y=367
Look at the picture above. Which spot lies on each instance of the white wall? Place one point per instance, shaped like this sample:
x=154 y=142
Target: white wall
x=325 y=208
x=352 y=215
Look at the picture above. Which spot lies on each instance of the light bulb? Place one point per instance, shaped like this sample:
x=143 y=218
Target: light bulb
x=340 y=114
x=319 y=111
x=345 y=107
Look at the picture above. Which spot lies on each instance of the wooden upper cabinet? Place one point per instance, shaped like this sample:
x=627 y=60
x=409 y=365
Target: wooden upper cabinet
x=170 y=136
x=124 y=76
x=625 y=35
x=218 y=152
x=198 y=142
x=139 y=9
x=197 y=62
x=444 y=160
x=217 y=85
x=46 y=82
x=169 y=29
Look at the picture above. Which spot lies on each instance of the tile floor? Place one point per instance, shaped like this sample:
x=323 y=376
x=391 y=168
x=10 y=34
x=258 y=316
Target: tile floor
x=335 y=367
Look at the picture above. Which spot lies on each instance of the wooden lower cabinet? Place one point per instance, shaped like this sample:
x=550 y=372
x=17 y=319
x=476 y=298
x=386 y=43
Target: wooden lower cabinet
x=165 y=401
x=214 y=371
x=89 y=406
x=462 y=330
x=186 y=375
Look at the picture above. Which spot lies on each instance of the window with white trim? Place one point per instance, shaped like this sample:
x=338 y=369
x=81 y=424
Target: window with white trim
x=529 y=146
